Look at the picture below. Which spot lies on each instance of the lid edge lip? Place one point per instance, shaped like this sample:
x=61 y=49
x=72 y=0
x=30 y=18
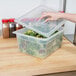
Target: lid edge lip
x=46 y=39
x=57 y=27
x=45 y=34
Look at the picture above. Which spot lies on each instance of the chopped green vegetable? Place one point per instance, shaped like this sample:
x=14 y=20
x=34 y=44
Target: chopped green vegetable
x=33 y=33
x=30 y=33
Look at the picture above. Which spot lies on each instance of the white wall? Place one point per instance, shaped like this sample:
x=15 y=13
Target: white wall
x=70 y=8
x=55 y=4
x=15 y=8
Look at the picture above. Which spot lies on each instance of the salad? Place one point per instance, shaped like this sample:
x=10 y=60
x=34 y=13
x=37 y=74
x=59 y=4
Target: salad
x=33 y=33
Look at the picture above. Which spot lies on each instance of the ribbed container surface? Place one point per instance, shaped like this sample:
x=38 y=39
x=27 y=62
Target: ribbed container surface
x=38 y=47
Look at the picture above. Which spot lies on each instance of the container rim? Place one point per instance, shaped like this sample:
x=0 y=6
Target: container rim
x=43 y=39
x=45 y=34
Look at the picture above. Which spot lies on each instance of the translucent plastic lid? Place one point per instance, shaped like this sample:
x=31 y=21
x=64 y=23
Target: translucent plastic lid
x=32 y=21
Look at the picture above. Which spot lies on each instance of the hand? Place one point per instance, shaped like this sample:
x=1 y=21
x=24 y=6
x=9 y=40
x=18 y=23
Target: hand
x=51 y=16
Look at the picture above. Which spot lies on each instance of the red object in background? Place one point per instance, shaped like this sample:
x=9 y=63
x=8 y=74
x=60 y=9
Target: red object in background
x=11 y=20
x=9 y=26
x=30 y=19
x=18 y=26
x=5 y=28
x=61 y=11
x=5 y=20
x=12 y=27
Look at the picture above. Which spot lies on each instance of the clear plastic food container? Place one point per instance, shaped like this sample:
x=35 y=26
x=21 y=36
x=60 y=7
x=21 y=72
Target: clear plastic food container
x=38 y=47
x=32 y=21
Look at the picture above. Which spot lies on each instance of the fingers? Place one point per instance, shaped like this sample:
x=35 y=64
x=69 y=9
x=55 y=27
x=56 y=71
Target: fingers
x=49 y=19
x=44 y=14
x=49 y=15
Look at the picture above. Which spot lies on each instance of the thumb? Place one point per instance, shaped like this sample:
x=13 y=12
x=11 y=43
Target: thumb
x=49 y=19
